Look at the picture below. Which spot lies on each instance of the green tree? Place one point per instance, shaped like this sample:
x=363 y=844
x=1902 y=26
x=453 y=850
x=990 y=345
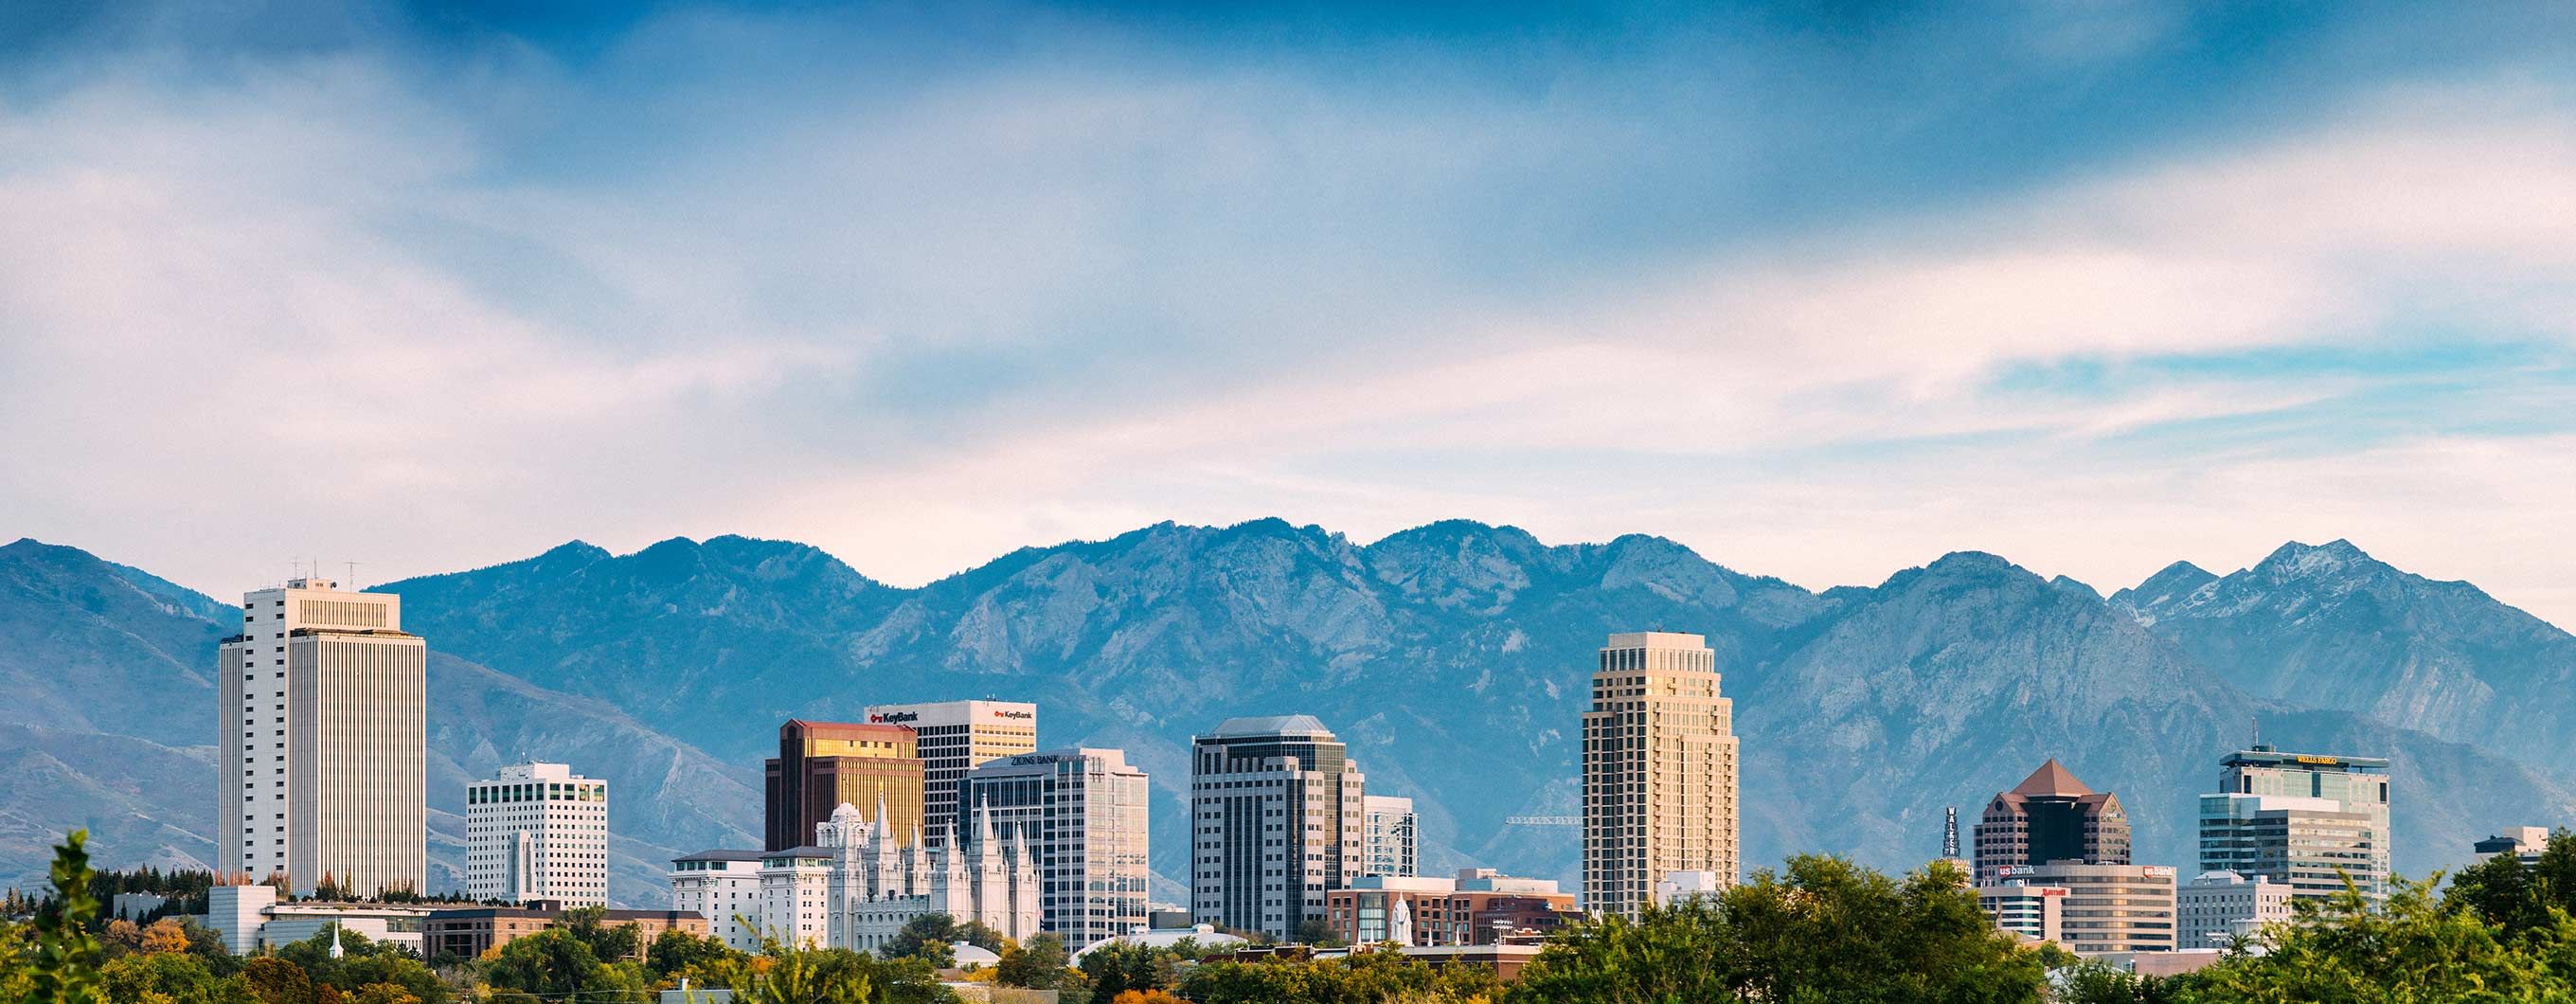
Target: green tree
x=64 y=967
x=934 y=938
x=1828 y=930
x=1362 y=978
x=811 y=976
x=1040 y=965
x=273 y=980
x=555 y=964
x=1116 y=968
x=1318 y=932
x=2410 y=949
x=678 y=952
x=610 y=942
x=364 y=962
x=2518 y=896
x=171 y=977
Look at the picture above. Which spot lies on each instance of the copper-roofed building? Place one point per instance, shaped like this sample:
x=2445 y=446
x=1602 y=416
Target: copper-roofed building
x=2049 y=817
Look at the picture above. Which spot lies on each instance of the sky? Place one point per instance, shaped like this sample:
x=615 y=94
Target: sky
x=1821 y=291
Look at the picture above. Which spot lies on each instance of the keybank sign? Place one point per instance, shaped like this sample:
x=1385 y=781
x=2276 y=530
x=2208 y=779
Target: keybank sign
x=894 y=717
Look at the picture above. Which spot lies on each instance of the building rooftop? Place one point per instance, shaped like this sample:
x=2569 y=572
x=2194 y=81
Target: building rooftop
x=2052 y=779
x=2265 y=756
x=723 y=854
x=1268 y=725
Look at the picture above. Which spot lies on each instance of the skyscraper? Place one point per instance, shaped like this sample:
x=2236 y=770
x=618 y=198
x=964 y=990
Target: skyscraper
x=2299 y=819
x=2050 y=817
x=1388 y=841
x=322 y=702
x=823 y=765
x=954 y=737
x=537 y=831
x=1659 y=770
x=1081 y=813
x=1275 y=807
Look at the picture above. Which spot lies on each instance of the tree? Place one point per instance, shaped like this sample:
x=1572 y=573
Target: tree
x=2407 y=949
x=1318 y=932
x=553 y=964
x=810 y=976
x=1039 y=965
x=165 y=935
x=273 y=980
x=172 y=977
x=1362 y=977
x=678 y=952
x=1145 y=997
x=1828 y=930
x=1116 y=968
x=934 y=935
x=64 y=969
x=610 y=942
x=2520 y=897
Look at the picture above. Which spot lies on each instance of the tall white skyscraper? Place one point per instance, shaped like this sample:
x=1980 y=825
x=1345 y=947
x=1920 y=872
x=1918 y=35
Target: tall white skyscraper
x=322 y=703
x=1659 y=770
x=1081 y=812
x=1388 y=843
x=953 y=737
x=1275 y=813
x=537 y=831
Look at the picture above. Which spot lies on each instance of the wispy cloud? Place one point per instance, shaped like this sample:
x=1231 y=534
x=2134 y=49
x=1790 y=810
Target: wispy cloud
x=924 y=290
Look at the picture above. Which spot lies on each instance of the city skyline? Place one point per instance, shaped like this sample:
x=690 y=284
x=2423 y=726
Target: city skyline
x=2220 y=277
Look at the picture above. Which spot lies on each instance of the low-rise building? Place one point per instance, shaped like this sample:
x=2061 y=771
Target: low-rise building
x=2107 y=908
x=1476 y=907
x=1682 y=887
x=247 y=918
x=470 y=932
x=2525 y=842
x=2032 y=911
x=2217 y=909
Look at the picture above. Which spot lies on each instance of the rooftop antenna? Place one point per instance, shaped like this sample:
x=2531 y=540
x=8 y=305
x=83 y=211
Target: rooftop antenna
x=2256 y=724
x=351 y=583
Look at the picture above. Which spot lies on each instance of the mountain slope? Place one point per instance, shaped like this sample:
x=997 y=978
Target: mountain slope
x=115 y=662
x=1453 y=657
x=2330 y=626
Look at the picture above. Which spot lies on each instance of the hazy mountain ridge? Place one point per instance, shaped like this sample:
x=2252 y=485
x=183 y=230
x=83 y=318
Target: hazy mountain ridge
x=1453 y=656
x=2330 y=626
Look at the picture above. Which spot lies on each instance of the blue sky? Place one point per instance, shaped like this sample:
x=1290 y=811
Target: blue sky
x=1823 y=291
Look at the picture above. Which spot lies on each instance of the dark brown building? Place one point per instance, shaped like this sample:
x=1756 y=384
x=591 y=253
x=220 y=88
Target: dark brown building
x=823 y=764
x=471 y=932
x=2050 y=817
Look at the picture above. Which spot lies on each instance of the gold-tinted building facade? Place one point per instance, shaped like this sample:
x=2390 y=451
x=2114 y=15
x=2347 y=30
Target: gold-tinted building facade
x=1659 y=770
x=821 y=765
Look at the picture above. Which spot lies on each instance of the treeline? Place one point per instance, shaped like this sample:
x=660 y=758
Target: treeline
x=1820 y=931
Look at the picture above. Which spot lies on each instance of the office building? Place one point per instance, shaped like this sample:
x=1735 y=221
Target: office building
x=2525 y=842
x=2107 y=908
x=537 y=831
x=857 y=885
x=1275 y=807
x=2217 y=909
x=724 y=887
x=954 y=737
x=824 y=765
x=1388 y=845
x=1659 y=770
x=2301 y=820
x=322 y=702
x=1478 y=906
x=2050 y=816
x=1082 y=813
x=2032 y=911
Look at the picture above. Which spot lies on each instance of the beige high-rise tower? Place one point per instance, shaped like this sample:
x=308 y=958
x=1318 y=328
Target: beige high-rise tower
x=1659 y=766
x=323 y=704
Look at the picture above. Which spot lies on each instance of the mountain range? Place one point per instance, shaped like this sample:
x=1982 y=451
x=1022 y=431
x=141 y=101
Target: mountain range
x=1453 y=657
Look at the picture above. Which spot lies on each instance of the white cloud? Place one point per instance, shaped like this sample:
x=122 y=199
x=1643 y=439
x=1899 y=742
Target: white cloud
x=318 y=307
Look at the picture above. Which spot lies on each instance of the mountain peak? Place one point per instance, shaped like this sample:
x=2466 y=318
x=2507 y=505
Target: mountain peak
x=2297 y=559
